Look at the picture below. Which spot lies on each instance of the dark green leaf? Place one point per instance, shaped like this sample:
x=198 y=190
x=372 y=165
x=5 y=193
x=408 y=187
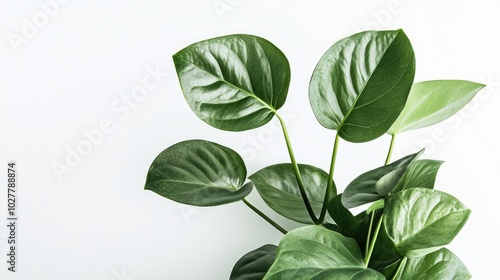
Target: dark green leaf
x=313 y=252
x=361 y=84
x=377 y=183
x=431 y=102
x=420 y=221
x=360 y=231
x=419 y=174
x=200 y=173
x=278 y=187
x=342 y=216
x=384 y=253
x=255 y=264
x=234 y=82
x=439 y=265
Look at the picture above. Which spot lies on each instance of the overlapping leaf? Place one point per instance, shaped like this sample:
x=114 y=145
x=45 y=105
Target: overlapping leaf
x=377 y=183
x=438 y=265
x=420 y=221
x=313 y=252
x=255 y=264
x=277 y=185
x=419 y=174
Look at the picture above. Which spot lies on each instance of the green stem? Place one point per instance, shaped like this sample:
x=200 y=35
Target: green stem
x=389 y=154
x=372 y=217
x=264 y=216
x=374 y=239
x=375 y=234
x=330 y=187
x=401 y=263
x=296 y=170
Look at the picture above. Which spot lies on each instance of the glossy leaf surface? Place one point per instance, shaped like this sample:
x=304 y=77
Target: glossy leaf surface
x=439 y=265
x=362 y=82
x=255 y=264
x=419 y=174
x=278 y=187
x=313 y=252
x=420 y=221
x=377 y=183
x=234 y=82
x=200 y=173
x=431 y=102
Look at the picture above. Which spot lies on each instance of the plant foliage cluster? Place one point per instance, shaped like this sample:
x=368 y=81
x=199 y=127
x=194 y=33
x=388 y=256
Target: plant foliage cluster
x=362 y=87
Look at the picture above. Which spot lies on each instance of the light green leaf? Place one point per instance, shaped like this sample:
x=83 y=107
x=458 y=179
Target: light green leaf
x=278 y=187
x=361 y=84
x=420 y=221
x=419 y=174
x=255 y=264
x=439 y=265
x=199 y=173
x=313 y=252
x=234 y=82
x=431 y=102
x=377 y=183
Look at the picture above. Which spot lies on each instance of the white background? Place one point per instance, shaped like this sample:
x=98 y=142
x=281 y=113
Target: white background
x=80 y=60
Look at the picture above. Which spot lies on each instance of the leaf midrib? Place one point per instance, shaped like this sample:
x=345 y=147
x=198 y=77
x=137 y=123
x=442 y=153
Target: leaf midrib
x=367 y=81
x=252 y=95
x=203 y=186
x=403 y=241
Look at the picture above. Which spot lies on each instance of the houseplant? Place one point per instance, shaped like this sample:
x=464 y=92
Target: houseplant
x=363 y=88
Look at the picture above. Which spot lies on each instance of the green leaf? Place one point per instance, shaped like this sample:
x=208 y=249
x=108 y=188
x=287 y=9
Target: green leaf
x=313 y=252
x=361 y=84
x=199 y=173
x=419 y=174
x=255 y=264
x=384 y=253
x=234 y=82
x=377 y=183
x=278 y=187
x=420 y=221
x=439 y=265
x=379 y=204
x=431 y=102
x=342 y=216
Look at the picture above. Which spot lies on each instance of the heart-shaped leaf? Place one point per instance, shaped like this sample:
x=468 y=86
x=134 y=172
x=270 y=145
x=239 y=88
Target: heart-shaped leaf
x=439 y=265
x=420 y=221
x=278 y=187
x=199 y=173
x=361 y=84
x=235 y=82
x=377 y=183
x=419 y=174
x=255 y=264
x=313 y=252
x=431 y=102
